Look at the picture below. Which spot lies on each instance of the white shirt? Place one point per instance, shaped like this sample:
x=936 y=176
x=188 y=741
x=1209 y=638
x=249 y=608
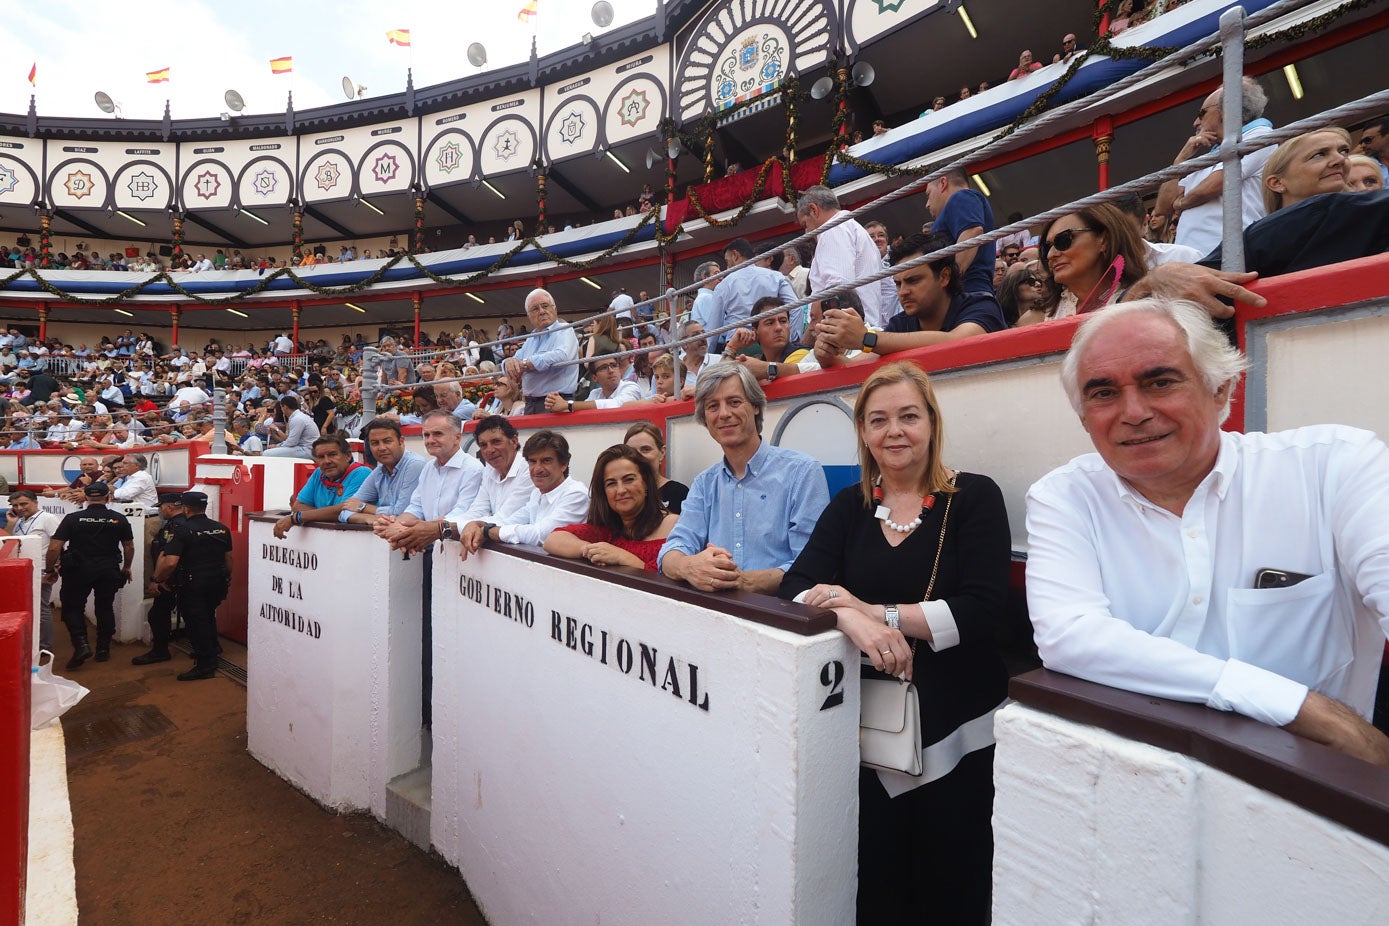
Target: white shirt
x=284 y=345
x=625 y=392
x=500 y=497
x=1161 y=252
x=443 y=488
x=565 y=504
x=1201 y=227
x=1127 y=594
x=846 y=253
x=137 y=489
x=190 y=394
x=43 y=524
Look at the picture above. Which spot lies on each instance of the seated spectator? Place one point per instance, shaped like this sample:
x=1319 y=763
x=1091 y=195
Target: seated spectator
x=243 y=441
x=135 y=486
x=1092 y=257
x=610 y=390
x=1304 y=166
x=1123 y=17
x=299 y=434
x=1068 y=49
x=1025 y=66
x=337 y=479
x=450 y=480
x=766 y=350
x=935 y=310
x=627 y=525
x=724 y=540
x=506 y=485
x=1024 y=296
x=1147 y=560
x=89 y=471
x=557 y=499
x=646 y=439
x=1155 y=253
x=388 y=489
x=1364 y=174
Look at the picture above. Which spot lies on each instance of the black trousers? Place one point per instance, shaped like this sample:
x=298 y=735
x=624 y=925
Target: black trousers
x=78 y=584
x=159 y=617
x=197 y=602
x=927 y=855
x=535 y=404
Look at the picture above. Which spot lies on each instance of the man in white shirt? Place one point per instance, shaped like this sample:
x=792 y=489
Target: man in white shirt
x=610 y=390
x=193 y=395
x=283 y=345
x=1195 y=199
x=887 y=287
x=449 y=481
x=843 y=253
x=506 y=483
x=1248 y=572
x=135 y=487
x=26 y=517
x=204 y=264
x=557 y=499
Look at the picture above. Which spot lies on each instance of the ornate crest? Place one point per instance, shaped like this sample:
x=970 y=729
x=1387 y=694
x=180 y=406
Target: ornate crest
x=79 y=184
x=506 y=145
x=633 y=107
x=449 y=157
x=327 y=175
x=571 y=127
x=264 y=182
x=142 y=186
x=385 y=168
x=207 y=184
x=8 y=179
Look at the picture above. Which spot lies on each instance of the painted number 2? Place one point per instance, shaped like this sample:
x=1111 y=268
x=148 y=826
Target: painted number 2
x=832 y=677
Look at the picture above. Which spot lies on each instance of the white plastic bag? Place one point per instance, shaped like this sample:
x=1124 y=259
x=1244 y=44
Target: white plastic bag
x=51 y=696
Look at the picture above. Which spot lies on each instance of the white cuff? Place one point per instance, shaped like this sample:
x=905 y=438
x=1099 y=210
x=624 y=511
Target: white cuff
x=945 y=633
x=1257 y=693
x=506 y=533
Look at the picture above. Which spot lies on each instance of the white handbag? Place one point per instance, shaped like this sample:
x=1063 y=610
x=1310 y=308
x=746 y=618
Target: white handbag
x=889 y=726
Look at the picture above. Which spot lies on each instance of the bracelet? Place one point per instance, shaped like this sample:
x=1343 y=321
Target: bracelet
x=298 y=517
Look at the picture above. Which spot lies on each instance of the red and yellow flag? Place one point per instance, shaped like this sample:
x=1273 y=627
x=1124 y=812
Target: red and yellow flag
x=527 y=12
x=281 y=65
x=160 y=76
x=33 y=72
x=399 y=37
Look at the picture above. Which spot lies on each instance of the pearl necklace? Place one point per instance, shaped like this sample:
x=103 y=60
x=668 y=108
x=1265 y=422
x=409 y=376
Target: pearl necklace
x=884 y=513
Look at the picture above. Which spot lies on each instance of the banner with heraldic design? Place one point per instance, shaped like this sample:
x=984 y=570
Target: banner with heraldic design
x=607 y=106
x=509 y=131
x=745 y=49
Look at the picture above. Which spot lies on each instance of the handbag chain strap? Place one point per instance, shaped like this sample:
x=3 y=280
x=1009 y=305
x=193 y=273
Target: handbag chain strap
x=940 y=545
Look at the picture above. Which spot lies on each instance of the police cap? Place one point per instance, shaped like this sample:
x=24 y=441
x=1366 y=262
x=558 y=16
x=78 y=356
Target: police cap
x=171 y=498
x=96 y=490
x=193 y=499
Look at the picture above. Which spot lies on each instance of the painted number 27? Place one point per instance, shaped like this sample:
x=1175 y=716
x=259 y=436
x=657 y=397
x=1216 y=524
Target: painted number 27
x=832 y=677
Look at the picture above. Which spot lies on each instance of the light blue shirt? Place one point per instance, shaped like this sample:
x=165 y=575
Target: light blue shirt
x=738 y=291
x=763 y=519
x=706 y=309
x=545 y=349
x=441 y=489
x=317 y=495
x=389 y=492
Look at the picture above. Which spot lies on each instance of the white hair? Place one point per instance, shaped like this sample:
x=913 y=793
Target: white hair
x=1215 y=359
x=537 y=292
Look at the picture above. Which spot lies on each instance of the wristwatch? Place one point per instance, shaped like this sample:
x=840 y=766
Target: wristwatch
x=892 y=616
x=870 y=341
x=571 y=406
x=447 y=531
x=772 y=371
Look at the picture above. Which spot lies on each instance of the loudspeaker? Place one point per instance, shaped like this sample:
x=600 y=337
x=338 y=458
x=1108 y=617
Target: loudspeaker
x=166 y=250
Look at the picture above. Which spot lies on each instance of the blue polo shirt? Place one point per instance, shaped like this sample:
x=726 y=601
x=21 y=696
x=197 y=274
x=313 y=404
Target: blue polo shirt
x=316 y=495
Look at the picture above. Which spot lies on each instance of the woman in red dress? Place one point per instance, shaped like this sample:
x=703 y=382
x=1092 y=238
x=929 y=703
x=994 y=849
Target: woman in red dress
x=627 y=524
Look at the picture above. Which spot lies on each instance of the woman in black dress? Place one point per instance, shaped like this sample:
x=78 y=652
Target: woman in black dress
x=925 y=844
x=647 y=440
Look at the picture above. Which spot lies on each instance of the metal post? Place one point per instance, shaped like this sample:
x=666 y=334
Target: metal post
x=1232 y=106
x=219 y=420
x=370 y=363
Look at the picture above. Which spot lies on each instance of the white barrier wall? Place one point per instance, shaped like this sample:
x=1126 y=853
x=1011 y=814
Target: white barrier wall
x=333 y=662
x=609 y=755
x=1328 y=367
x=1090 y=827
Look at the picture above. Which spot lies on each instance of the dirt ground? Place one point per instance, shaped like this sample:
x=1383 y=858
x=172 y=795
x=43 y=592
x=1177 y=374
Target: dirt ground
x=183 y=826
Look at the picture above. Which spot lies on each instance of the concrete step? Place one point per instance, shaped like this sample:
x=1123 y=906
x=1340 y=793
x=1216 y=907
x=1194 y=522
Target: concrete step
x=407 y=805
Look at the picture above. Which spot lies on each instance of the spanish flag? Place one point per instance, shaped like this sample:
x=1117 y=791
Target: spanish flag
x=399 y=37
x=160 y=76
x=281 y=65
x=33 y=72
x=527 y=12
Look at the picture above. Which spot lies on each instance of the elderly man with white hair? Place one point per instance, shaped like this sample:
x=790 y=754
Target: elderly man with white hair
x=547 y=361
x=1246 y=572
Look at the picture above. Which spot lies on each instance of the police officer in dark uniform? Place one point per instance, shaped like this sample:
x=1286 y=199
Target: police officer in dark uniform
x=164 y=595
x=201 y=555
x=100 y=549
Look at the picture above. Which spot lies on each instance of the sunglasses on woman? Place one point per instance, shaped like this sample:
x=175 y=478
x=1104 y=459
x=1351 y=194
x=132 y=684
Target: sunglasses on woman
x=1063 y=240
